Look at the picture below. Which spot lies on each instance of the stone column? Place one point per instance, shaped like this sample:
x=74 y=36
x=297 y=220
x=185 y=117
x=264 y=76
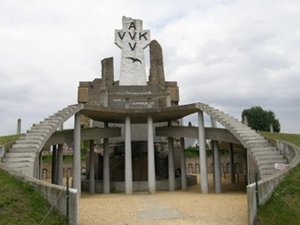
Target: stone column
x=171 y=164
x=128 y=158
x=217 y=169
x=41 y=165
x=168 y=101
x=216 y=162
x=60 y=159
x=92 y=168
x=232 y=169
x=271 y=128
x=151 y=157
x=245 y=120
x=54 y=164
x=19 y=126
x=76 y=155
x=202 y=153
x=183 y=165
x=106 y=180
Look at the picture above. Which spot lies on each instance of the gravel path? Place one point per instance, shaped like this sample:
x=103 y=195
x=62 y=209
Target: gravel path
x=164 y=208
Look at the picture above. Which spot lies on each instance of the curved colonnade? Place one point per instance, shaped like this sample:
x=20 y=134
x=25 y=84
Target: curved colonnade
x=24 y=156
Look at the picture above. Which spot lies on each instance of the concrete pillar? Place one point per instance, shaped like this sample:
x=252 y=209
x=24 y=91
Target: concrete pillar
x=76 y=155
x=171 y=164
x=168 y=101
x=216 y=162
x=151 y=157
x=183 y=165
x=92 y=168
x=271 y=128
x=217 y=169
x=19 y=126
x=128 y=158
x=106 y=180
x=60 y=164
x=232 y=169
x=41 y=165
x=246 y=120
x=213 y=124
x=202 y=153
x=54 y=165
x=91 y=123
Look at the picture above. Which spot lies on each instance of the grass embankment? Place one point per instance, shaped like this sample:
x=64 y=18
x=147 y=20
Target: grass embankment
x=6 y=139
x=284 y=205
x=21 y=204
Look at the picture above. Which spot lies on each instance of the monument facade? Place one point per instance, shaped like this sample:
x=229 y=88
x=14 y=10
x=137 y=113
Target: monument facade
x=133 y=91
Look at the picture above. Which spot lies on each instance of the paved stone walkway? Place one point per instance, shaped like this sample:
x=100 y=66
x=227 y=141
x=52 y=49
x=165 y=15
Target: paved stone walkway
x=166 y=208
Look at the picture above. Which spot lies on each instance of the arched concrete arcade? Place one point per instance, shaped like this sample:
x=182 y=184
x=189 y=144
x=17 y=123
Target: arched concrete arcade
x=150 y=116
x=234 y=132
x=25 y=154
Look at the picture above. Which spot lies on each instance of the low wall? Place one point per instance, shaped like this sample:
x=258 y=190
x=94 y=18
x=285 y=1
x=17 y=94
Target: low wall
x=4 y=148
x=161 y=185
x=266 y=187
x=55 y=194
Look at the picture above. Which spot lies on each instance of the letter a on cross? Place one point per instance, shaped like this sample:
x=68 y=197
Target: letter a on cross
x=132 y=39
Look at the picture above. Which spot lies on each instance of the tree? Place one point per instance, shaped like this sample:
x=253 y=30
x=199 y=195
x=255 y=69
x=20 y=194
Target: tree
x=259 y=119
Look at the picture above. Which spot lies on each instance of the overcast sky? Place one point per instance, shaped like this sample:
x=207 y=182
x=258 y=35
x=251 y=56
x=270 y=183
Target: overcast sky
x=231 y=54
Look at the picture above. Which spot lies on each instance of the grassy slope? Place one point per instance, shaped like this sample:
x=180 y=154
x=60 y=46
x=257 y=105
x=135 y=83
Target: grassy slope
x=20 y=204
x=284 y=205
x=6 y=139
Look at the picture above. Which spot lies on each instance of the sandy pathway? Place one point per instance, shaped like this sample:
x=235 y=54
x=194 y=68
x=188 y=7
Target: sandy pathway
x=179 y=207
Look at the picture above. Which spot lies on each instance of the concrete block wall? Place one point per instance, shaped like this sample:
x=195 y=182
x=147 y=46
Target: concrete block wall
x=194 y=163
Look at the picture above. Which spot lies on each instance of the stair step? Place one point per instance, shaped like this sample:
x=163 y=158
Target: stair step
x=35 y=135
x=25 y=149
x=268 y=172
x=267 y=163
x=269 y=157
x=266 y=148
x=29 y=141
x=253 y=138
x=20 y=154
x=20 y=165
x=39 y=130
x=265 y=152
x=18 y=160
x=257 y=144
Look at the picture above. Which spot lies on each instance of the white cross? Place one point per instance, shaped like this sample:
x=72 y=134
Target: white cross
x=132 y=39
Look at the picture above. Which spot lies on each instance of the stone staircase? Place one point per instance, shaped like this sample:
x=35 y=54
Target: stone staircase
x=24 y=154
x=263 y=153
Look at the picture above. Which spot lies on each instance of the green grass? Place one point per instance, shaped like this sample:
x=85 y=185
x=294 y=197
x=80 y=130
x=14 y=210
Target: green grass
x=21 y=204
x=6 y=139
x=293 y=138
x=284 y=205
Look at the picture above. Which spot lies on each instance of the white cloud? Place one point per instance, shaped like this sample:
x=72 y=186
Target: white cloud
x=230 y=54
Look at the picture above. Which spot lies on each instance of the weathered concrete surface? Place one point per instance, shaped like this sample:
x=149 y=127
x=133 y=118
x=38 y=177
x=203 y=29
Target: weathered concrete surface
x=192 y=132
x=132 y=39
x=86 y=134
x=138 y=186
